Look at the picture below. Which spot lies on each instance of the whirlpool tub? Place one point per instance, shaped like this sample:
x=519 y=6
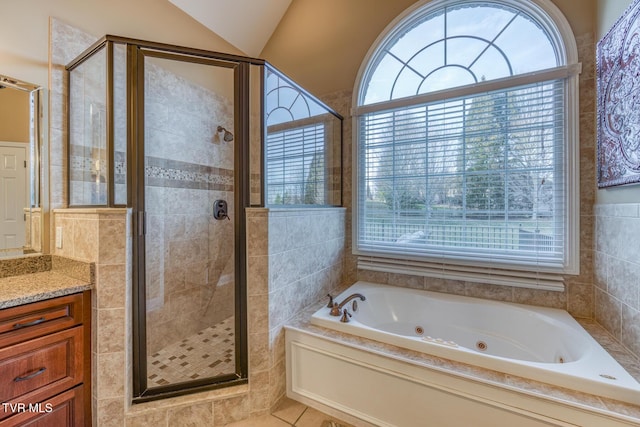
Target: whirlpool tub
x=542 y=344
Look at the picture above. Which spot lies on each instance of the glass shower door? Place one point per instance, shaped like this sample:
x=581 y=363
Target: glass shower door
x=189 y=205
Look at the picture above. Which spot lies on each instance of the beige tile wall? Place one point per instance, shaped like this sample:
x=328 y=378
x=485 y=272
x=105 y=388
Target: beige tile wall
x=101 y=236
x=65 y=43
x=617 y=272
x=295 y=257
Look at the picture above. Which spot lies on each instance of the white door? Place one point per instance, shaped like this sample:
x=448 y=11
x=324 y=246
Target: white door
x=13 y=195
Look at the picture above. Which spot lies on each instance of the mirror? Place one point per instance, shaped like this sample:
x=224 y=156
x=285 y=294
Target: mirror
x=20 y=145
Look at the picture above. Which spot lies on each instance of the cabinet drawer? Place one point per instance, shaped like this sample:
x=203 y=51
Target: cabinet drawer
x=28 y=321
x=36 y=369
x=63 y=410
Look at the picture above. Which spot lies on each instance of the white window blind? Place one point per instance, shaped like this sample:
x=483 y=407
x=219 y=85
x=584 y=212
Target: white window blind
x=466 y=133
x=295 y=166
x=473 y=180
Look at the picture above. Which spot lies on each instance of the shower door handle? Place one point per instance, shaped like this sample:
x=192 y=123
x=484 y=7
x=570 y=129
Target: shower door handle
x=142 y=223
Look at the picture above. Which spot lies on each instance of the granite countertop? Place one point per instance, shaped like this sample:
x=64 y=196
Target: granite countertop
x=26 y=288
x=30 y=279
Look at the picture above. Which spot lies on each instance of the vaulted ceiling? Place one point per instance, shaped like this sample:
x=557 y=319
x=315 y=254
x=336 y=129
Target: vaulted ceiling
x=246 y=24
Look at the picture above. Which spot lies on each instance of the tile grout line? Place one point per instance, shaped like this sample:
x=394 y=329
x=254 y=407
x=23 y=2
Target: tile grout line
x=281 y=419
x=301 y=414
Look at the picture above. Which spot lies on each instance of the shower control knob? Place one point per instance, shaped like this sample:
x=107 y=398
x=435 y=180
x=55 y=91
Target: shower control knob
x=220 y=210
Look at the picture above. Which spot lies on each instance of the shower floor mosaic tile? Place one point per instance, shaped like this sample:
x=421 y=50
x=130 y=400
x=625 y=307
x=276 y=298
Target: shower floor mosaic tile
x=207 y=353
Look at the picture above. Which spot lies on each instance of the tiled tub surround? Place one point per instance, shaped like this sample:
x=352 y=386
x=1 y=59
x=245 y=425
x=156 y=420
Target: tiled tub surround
x=617 y=272
x=596 y=292
x=533 y=342
x=295 y=257
x=622 y=413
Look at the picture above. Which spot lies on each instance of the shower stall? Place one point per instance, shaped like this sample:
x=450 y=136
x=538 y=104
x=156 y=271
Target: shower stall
x=187 y=139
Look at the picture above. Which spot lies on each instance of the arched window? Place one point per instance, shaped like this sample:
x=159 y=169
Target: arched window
x=466 y=144
x=300 y=167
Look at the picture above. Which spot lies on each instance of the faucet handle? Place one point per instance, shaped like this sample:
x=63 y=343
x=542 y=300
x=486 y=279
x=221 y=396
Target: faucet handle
x=345 y=316
x=330 y=304
x=335 y=310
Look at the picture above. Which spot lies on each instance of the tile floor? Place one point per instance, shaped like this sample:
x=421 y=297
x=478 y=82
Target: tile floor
x=208 y=353
x=291 y=413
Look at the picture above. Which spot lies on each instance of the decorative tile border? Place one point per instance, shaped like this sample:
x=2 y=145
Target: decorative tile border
x=177 y=174
x=163 y=173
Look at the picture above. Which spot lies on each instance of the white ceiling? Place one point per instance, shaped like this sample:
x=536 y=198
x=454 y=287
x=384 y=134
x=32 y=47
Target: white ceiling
x=246 y=24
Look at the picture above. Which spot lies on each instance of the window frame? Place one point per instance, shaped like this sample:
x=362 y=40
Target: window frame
x=531 y=276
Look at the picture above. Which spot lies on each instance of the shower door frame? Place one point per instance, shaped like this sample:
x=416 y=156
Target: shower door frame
x=136 y=53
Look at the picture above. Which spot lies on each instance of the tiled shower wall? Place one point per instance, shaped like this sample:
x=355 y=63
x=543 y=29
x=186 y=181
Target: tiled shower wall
x=279 y=284
x=577 y=297
x=617 y=272
x=295 y=259
x=189 y=255
x=187 y=167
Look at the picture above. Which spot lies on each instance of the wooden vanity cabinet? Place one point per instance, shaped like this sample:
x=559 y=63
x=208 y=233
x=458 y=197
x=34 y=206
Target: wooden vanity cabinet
x=45 y=363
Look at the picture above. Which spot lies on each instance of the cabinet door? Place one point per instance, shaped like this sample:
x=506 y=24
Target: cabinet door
x=36 y=369
x=63 y=410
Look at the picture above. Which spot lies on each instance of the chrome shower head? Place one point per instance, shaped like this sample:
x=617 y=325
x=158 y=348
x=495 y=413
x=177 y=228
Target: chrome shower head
x=228 y=136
